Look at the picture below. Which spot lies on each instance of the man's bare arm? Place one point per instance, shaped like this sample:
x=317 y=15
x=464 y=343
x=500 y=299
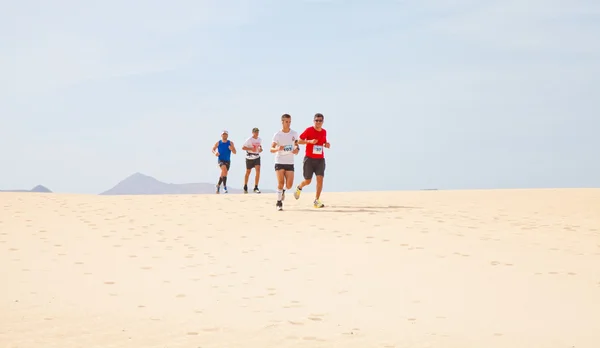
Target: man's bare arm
x=305 y=141
x=274 y=147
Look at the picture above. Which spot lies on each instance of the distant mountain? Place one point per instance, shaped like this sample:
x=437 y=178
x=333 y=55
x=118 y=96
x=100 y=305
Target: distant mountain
x=38 y=189
x=141 y=184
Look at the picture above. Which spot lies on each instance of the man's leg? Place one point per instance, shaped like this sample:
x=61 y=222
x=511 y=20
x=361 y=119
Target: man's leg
x=319 y=187
x=224 y=171
x=256 y=177
x=219 y=183
x=280 y=179
x=307 y=173
x=220 y=177
x=246 y=180
x=289 y=179
x=249 y=166
x=320 y=174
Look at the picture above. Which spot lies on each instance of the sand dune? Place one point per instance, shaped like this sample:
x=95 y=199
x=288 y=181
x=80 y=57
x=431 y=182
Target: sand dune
x=499 y=268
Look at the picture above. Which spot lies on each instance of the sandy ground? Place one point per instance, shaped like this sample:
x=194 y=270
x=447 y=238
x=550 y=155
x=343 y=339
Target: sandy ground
x=505 y=268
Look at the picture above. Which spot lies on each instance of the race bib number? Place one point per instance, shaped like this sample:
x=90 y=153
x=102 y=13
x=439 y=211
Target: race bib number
x=317 y=150
x=288 y=147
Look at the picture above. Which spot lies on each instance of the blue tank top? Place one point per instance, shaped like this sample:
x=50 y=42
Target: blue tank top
x=224 y=152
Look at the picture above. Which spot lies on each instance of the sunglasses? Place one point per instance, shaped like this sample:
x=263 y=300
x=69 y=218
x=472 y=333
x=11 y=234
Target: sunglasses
x=319 y=120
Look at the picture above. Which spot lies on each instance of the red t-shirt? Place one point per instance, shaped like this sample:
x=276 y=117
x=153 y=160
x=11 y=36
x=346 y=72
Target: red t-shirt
x=316 y=150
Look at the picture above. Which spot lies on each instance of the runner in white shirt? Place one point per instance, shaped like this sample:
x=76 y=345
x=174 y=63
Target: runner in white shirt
x=285 y=147
x=253 y=148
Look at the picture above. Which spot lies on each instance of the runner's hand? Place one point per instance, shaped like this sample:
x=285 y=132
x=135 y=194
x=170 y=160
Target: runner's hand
x=327 y=145
x=217 y=153
x=313 y=141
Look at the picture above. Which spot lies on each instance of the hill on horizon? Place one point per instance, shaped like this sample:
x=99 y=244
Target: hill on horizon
x=142 y=184
x=37 y=189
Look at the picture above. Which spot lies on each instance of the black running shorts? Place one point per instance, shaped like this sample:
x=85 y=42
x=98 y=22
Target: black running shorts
x=251 y=163
x=313 y=166
x=286 y=167
x=224 y=163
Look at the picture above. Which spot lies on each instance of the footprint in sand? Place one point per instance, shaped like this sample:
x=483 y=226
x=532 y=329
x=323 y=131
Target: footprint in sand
x=294 y=304
x=309 y=338
x=211 y=329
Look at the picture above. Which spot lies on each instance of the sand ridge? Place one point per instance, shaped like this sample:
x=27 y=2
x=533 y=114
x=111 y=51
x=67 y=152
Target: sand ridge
x=488 y=268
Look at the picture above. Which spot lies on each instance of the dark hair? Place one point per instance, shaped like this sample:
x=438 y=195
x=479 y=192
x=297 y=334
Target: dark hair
x=285 y=116
x=318 y=114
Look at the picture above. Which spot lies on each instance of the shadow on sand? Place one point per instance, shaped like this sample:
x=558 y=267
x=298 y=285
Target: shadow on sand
x=358 y=209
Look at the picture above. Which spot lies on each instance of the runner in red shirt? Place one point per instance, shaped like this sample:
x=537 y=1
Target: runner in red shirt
x=315 y=138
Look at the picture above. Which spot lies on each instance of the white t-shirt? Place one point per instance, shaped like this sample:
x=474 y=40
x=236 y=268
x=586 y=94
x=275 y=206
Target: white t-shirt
x=255 y=143
x=288 y=140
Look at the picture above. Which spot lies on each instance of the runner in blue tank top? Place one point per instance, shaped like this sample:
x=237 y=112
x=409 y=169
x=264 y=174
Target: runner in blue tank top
x=223 y=149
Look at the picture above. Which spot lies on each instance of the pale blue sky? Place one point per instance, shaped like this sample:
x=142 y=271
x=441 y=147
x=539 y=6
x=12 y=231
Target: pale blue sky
x=416 y=94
